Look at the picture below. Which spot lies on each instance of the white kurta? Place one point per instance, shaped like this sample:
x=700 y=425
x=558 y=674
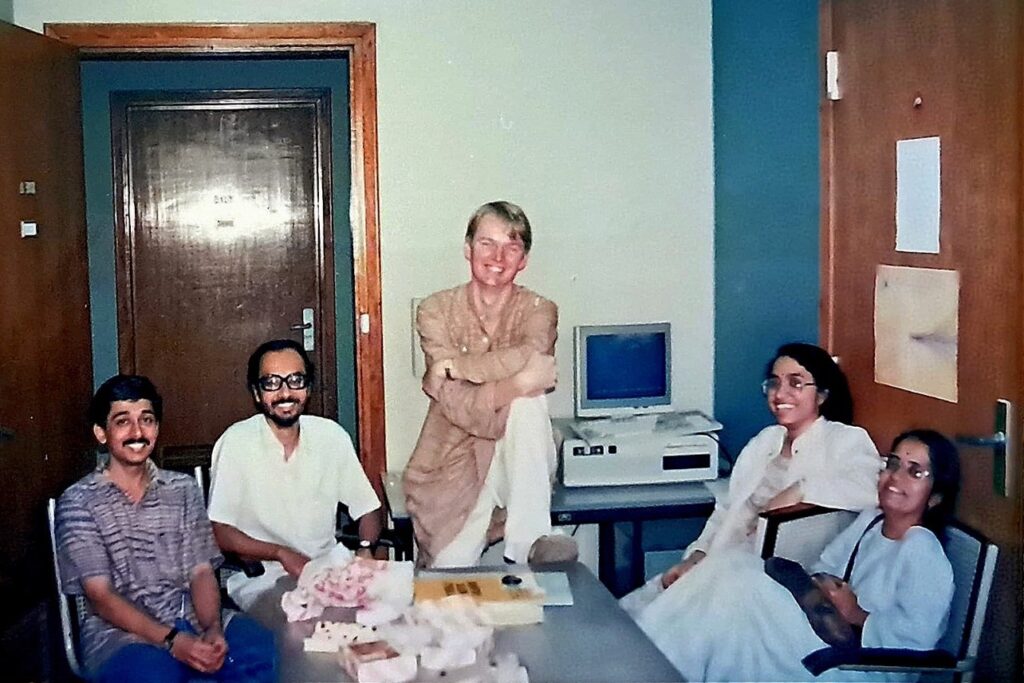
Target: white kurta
x=290 y=502
x=837 y=466
x=729 y=621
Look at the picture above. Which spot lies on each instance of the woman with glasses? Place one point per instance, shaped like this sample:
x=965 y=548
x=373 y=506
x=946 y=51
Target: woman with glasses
x=812 y=454
x=883 y=582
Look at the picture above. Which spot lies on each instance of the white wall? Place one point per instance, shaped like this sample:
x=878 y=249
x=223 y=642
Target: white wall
x=594 y=115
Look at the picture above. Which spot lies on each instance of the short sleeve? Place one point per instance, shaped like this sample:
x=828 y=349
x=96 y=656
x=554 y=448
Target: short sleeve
x=81 y=551
x=200 y=544
x=353 y=488
x=225 y=482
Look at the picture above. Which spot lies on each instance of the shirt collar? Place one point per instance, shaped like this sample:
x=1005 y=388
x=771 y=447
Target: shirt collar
x=157 y=476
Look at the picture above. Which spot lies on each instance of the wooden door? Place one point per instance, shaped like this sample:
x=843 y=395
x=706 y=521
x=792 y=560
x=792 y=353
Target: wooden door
x=952 y=69
x=223 y=239
x=45 y=348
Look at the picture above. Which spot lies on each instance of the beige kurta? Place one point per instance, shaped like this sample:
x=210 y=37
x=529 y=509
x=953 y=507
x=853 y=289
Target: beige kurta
x=449 y=464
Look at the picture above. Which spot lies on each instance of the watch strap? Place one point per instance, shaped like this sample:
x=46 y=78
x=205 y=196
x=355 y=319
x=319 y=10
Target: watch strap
x=169 y=638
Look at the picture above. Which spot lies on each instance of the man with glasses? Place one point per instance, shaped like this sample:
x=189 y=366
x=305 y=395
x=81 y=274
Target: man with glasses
x=484 y=461
x=277 y=477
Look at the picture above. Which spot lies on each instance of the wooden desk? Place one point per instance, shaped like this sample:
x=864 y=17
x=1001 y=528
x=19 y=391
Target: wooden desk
x=592 y=640
x=601 y=505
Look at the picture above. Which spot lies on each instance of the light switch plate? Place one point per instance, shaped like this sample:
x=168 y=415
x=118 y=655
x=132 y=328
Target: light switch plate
x=27 y=187
x=29 y=229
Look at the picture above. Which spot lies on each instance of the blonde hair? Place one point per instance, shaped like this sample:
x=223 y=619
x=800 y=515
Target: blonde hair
x=512 y=214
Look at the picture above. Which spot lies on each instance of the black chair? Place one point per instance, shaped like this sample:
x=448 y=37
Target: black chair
x=803 y=533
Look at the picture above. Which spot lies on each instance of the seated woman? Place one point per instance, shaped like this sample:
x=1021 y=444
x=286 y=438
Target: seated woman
x=897 y=591
x=812 y=454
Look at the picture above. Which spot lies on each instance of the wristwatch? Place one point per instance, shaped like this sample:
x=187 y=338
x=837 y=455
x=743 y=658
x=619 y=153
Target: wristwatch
x=367 y=545
x=169 y=638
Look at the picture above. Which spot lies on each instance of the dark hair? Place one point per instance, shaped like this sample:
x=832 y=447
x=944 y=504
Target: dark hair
x=252 y=375
x=829 y=378
x=123 y=388
x=945 y=469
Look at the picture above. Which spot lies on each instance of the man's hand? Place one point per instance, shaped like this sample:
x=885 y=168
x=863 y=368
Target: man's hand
x=215 y=636
x=537 y=376
x=673 y=574
x=842 y=596
x=205 y=657
x=442 y=368
x=292 y=561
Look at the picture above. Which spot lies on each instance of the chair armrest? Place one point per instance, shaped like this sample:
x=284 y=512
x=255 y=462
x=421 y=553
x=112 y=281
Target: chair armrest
x=879 y=659
x=800 y=532
x=234 y=562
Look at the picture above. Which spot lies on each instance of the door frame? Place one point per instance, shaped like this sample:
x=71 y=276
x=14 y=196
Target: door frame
x=358 y=41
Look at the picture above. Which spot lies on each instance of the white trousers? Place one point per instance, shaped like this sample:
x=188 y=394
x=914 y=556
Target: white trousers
x=518 y=480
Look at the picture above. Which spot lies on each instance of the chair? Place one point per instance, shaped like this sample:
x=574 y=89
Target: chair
x=71 y=610
x=973 y=559
x=808 y=529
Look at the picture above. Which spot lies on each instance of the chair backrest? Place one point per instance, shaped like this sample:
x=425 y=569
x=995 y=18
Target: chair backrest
x=70 y=612
x=204 y=486
x=802 y=533
x=973 y=560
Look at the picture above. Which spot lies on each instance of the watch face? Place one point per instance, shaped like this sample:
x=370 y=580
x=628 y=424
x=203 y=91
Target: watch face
x=364 y=544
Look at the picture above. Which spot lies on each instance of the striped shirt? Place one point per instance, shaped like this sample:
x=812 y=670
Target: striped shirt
x=147 y=550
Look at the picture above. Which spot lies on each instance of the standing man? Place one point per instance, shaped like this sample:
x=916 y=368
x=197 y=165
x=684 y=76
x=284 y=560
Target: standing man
x=483 y=465
x=277 y=477
x=136 y=542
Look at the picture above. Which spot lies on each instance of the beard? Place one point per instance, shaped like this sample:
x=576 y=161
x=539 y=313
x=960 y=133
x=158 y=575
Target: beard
x=283 y=422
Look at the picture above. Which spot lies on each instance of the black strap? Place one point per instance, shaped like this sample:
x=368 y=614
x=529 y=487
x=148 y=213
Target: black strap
x=856 y=548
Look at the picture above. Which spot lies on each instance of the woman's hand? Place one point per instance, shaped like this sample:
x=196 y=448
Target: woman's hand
x=842 y=596
x=673 y=574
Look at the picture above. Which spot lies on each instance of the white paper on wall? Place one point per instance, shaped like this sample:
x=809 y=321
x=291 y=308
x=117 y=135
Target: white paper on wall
x=918 y=195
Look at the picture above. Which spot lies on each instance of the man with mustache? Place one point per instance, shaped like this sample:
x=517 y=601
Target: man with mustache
x=277 y=477
x=135 y=541
x=483 y=465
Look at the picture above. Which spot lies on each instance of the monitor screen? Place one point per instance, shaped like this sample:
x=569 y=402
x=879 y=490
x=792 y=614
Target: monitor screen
x=623 y=369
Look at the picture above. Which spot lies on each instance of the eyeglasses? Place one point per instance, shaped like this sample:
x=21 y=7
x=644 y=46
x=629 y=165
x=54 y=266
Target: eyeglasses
x=894 y=464
x=296 y=380
x=775 y=383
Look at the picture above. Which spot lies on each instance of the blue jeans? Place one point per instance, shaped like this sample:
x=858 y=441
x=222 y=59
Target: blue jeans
x=252 y=657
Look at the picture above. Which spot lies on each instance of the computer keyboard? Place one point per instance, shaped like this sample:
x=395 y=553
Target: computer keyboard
x=678 y=424
x=689 y=422
x=627 y=426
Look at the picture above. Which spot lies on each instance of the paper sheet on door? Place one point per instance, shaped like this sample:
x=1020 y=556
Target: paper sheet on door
x=917 y=329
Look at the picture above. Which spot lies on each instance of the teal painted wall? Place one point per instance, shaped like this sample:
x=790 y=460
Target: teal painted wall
x=100 y=78
x=7 y=11
x=766 y=197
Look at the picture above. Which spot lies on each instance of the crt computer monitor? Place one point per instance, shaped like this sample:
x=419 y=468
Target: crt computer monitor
x=623 y=370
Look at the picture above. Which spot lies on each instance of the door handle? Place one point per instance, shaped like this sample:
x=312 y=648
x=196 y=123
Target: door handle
x=308 y=328
x=1004 y=444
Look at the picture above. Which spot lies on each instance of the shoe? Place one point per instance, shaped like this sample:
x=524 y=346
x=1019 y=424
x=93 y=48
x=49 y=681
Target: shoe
x=552 y=549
